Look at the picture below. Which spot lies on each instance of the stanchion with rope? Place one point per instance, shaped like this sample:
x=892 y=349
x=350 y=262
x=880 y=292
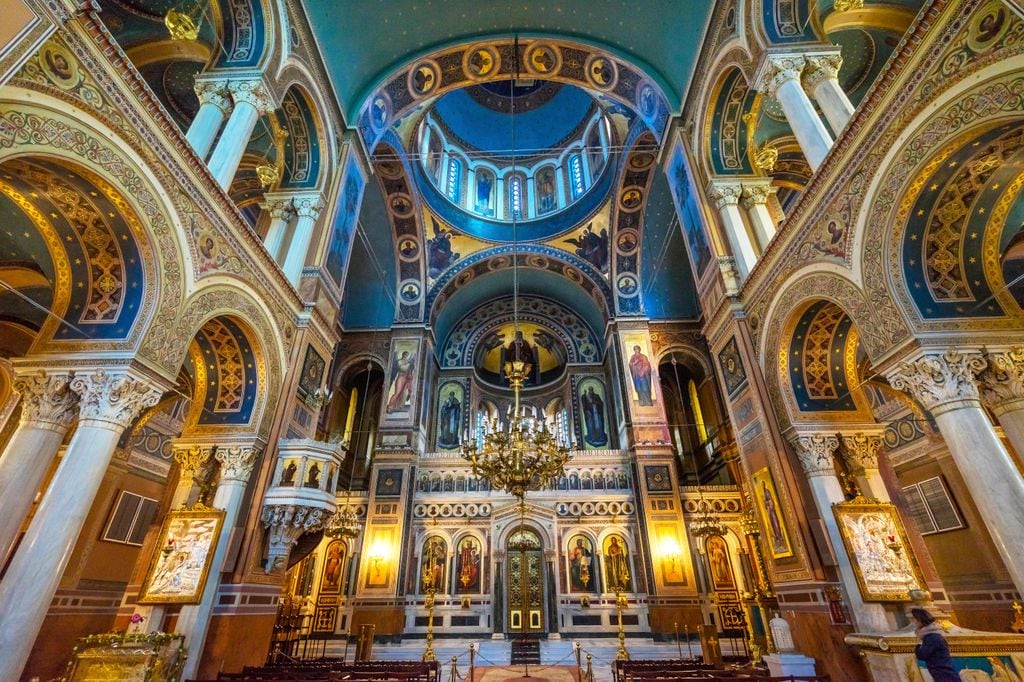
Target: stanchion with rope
x=590 y=669
x=472 y=663
x=455 y=669
x=578 y=649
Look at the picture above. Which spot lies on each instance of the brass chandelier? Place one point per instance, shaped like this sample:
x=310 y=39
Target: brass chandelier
x=524 y=453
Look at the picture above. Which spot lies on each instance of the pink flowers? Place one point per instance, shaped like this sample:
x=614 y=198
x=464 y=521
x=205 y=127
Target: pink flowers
x=137 y=618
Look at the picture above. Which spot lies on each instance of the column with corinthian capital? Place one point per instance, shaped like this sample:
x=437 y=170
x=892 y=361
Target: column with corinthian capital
x=779 y=76
x=236 y=465
x=109 y=401
x=816 y=452
x=214 y=106
x=281 y=212
x=755 y=201
x=1002 y=389
x=307 y=210
x=945 y=384
x=726 y=196
x=48 y=407
x=860 y=452
x=821 y=79
x=251 y=99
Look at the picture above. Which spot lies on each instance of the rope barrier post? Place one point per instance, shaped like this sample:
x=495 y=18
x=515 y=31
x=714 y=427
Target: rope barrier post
x=679 y=645
x=590 y=669
x=472 y=662
x=579 y=661
x=455 y=669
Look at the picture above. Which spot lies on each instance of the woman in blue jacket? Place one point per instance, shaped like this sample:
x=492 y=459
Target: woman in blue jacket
x=933 y=649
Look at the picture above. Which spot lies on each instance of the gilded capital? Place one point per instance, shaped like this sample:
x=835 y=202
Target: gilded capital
x=192 y=459
x=236 y=462
x=252 y=92
x=1002 y=382
x=214 y=92
x=778 y=69
x=815 y=452
x=47 y=400
x=940 y=381
x=820 y=68
x=725 y=193
x=860 y=451
x=114 y=396
x=755 y=194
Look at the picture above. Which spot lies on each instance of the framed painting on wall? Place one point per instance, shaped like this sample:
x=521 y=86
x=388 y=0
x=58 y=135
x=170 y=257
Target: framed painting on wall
x=181 y=562
x=771 y=514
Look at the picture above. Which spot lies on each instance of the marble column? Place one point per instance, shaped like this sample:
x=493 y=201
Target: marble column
x=816 y=452
x=109 y=400
x=281 y=212
x=944 y=383
x=48 y=407
x=214 y=107
x=726 y=196
x=307 y=210
x=192 y=460
x=1002 y=389
x=779 y=76
x=755 y=201
x=236 y=465
x=821 y=79
x=860 y=453
x=251 y=100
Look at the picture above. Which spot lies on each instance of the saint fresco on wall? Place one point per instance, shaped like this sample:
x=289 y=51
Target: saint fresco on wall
x=468 y=566
x=581 y=564
x=434 y=557
x=718 y=560
x=771 y=514
x=592 y=414
x=640 y=371
x=616 y=562
x=449 y=415
x=402 y=378
x=545 y=190
x=334 y=564
x=345 y=218
x=681 y=184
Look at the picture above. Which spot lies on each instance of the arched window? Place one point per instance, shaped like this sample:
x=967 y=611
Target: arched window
x=698 y=417
x=515 y=197
x=454 y=180
x=576 y=175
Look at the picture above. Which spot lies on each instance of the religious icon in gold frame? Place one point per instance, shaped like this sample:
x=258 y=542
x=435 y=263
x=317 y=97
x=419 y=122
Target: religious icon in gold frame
x=183 y=555
x=876 y=541
x=767 y=499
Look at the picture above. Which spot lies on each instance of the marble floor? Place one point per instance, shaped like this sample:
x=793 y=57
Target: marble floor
x=553 y=653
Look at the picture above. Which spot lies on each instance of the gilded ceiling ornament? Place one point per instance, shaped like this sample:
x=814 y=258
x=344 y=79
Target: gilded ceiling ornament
x=765 y=157
x=847 y=5
x=180 y=25
x=267 y=175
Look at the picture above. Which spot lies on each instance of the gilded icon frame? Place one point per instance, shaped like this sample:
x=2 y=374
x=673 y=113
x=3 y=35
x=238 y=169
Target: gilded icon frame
x=182 y=523
x=851 y=514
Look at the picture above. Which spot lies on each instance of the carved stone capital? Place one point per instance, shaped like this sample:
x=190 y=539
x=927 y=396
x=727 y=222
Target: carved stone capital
x=279 y=208
x=940 y=382
x=725 y=193
x=820 y=68
x=47 y=400
x=236 y=462
x=778 y=69
x=113 y=396
x=308 y=207
x=192 y=459
x=252 y=92
x=1002 y=382
x=755 y=193
x=815 y=452
x=287 y=523
x=860 y=451
x=215 y=92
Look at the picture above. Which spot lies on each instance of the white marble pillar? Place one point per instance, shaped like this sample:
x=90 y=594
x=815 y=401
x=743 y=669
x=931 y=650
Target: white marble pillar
x=860 y=452
x=251 y=100
x=48 y=407
x=821 y=79
x=779 y=76
x=1002 y=389
x=307 y=210
x=192 y=460
x=726 y=197
x=945 y=384
x=755 y=201
x=109 y=400
x=214 y=107
x=236 y=465
x=281 y=212
x=815 y=452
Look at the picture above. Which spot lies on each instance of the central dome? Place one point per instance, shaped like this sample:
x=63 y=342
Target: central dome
x=532 y=150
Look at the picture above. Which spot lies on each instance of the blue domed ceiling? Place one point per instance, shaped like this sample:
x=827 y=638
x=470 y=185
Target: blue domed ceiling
x=545 y=115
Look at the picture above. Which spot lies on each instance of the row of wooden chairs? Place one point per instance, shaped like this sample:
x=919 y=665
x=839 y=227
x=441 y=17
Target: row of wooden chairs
x=687 y=670
x=328 y=670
